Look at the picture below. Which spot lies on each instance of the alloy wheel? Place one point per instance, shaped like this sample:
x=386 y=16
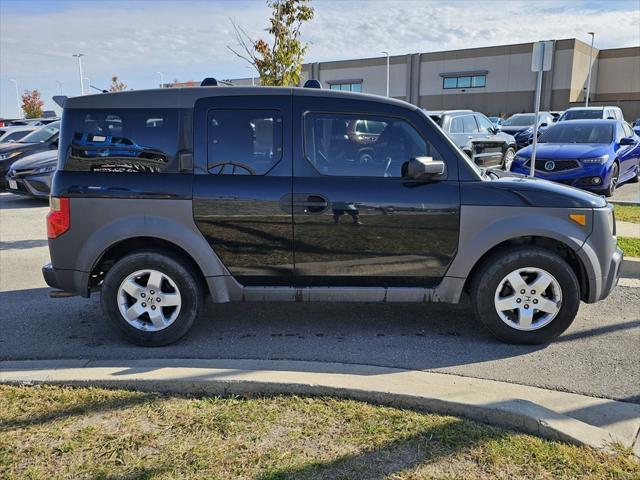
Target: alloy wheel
x=149 y=300
x=528 y=299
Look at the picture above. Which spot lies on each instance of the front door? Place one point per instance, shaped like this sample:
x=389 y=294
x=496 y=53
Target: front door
x=357 y=222
x=242 y=155
x=488 y=145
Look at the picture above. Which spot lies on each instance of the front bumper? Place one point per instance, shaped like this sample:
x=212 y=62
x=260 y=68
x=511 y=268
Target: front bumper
x=610 y=280
x=32 y=185
x=579 y=177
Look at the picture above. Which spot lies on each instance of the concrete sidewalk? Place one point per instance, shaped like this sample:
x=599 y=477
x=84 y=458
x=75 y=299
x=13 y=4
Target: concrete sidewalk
x=556 y=415
x=627 y=229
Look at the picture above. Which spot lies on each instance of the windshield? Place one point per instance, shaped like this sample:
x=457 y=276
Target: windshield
x=519 y=120
x=572 y=133
x=581 y=115
x=42 y=134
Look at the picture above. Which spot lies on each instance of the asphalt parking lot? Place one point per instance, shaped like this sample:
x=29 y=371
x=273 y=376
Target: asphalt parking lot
x=598 y=355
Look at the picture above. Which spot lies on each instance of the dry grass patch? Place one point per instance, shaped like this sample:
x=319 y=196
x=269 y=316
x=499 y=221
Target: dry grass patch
x=55 y=432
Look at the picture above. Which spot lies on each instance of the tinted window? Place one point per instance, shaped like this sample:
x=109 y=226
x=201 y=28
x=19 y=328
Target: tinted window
x=333 y=147
x=469 y=124
x=456 y=125
x=243 y=142
x=519 y=120
x=123 y=140
x=578 y=133
x=484 y=124
x=15 y=136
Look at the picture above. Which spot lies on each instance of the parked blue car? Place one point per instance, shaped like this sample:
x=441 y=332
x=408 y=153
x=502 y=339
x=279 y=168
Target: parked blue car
x=520 y=125
x=596 y=155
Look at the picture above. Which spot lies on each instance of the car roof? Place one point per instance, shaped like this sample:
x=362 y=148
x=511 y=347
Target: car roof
x=595 y=121
x=17 y=128
x=441 y=113
x=592 y=108
x=185 y=97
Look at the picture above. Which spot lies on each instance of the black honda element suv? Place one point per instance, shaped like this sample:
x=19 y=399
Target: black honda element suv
x=165 y=197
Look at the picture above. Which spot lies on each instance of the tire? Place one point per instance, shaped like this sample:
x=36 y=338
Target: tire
x=535 y=263
x=507 y=158
x=613 y=182
x=179 y=289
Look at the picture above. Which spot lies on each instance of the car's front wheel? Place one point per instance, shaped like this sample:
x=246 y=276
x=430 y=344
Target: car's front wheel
x=613 y=182
x=507 y=158
x=152 y=298
x=525 y=295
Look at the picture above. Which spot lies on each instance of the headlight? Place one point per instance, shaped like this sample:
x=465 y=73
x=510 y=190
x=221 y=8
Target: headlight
x=7 y=156
x=50 y=168
x=602 y=159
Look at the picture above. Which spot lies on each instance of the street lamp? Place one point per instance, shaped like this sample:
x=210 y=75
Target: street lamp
x=387 y=54
x=79 y=57
x=15 y=82
x=253 y=78
x=88 y=81
x=161 y=79
x=586 y=99
x=59 y=86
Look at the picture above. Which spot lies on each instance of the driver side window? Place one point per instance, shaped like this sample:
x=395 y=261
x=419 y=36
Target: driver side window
x=243 y=142
x=338 y=145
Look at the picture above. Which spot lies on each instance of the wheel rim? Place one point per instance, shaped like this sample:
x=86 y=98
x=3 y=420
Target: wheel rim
x=508 y=159
x=528 y=299
x=149 y=300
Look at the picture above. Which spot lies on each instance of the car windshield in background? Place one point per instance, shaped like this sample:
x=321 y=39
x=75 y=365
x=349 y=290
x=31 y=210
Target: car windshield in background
x=581 y=115
x=42 y=134
x=519 y=121
x=569 y=133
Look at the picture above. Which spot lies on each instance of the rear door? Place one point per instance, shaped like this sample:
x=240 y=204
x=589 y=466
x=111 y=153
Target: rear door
x=357 y=222
x=242 y=155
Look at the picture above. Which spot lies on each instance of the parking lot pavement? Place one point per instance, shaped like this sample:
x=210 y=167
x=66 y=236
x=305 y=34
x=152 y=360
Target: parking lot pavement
x=597 y=356
x=628 y=192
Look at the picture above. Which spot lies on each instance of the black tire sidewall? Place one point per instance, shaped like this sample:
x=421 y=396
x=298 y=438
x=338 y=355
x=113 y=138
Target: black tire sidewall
x=498 y=267
x=190 y=293
x=504 y=158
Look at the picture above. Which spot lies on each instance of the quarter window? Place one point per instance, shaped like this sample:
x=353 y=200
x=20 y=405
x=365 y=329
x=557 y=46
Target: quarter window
x=469 y=124
x=336 y=145
x=243 y=142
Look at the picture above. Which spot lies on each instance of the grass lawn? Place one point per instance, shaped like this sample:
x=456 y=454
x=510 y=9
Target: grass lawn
x=627 y=213
x=630 y=246
x=55 y=432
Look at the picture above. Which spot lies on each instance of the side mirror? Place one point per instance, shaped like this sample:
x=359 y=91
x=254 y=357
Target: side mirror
x=422 y=168
x=627 y=141
x=54 y=145
x=496 y=129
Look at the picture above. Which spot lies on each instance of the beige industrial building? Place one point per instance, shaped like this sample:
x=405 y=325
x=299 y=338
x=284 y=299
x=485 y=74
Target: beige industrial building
x=493 y=80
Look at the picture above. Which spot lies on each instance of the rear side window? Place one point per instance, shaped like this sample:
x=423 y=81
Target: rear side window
x=469 y=124
x=243 y=142
x=123 y=140
x=456 y=125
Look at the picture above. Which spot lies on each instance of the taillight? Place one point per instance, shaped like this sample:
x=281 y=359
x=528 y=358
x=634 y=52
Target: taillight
x=59 y=217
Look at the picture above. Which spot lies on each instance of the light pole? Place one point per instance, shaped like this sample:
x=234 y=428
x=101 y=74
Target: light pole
x=586 y=98
x=161 y=79
x=88 y=81
x=253 y=77
x=79 y=57
x=59 y=86
x=387 y=54
x=15 y=82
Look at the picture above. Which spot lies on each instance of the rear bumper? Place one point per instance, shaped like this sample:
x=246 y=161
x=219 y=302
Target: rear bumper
x=72 y=281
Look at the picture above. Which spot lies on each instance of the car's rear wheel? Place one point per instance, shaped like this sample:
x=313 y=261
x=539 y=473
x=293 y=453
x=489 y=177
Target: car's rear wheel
x=507 y=158
x=152 y=298
x=525 y=295
x=613 y=182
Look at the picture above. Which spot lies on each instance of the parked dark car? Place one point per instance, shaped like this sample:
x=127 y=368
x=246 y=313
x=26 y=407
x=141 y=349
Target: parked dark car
x=264 y=198
x=596 y=155
x=44 y=138
x=476 y=136
x=32 y=174
x=497 y=121
x=520 y=125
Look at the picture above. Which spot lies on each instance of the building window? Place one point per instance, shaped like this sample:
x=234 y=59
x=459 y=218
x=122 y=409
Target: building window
x=475 y=81
x=347 y=87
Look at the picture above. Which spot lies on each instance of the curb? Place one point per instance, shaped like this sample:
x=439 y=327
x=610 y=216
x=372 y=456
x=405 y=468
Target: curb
x=567 y=417
x=624 y=202
x=630 y=268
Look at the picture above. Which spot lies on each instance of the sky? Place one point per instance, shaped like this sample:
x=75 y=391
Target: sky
x=188 y=40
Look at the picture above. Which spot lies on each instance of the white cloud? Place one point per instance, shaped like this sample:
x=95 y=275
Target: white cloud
x=188 y=40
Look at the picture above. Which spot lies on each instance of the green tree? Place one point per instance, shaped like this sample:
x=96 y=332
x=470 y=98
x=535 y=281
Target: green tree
x=116 y=85
x=32 y=104
x=279 y=61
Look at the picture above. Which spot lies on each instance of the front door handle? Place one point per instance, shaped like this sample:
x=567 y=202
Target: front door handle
x=313 y=203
